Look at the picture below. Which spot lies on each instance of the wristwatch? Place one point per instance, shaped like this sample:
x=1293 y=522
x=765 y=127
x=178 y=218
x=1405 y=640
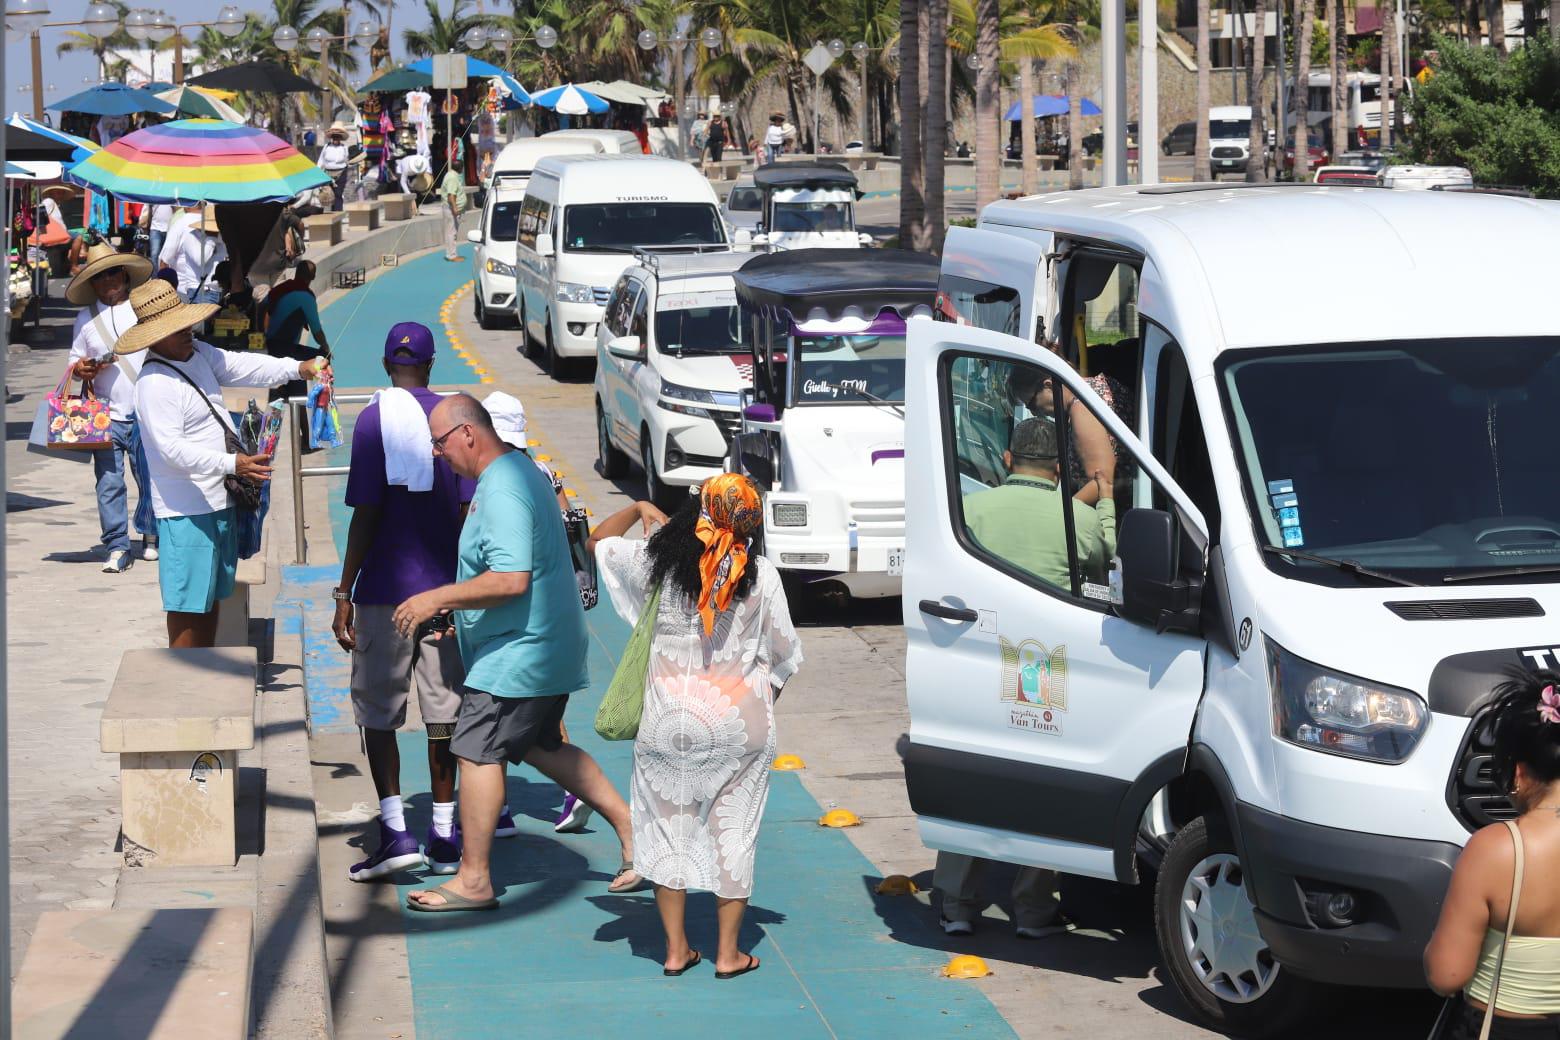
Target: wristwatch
x=341 y=595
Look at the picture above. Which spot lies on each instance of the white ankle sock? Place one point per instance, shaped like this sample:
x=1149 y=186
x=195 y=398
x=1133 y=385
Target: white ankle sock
x=443 y=818
x=391 y=813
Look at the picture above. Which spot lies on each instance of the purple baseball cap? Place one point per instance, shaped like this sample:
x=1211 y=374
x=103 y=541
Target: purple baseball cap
x=409 y=336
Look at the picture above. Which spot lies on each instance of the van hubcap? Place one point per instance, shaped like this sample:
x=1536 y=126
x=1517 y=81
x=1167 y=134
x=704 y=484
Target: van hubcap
x=1219 y=933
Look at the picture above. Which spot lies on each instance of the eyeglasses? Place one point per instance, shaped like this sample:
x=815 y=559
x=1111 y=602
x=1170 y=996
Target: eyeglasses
x=438 y=442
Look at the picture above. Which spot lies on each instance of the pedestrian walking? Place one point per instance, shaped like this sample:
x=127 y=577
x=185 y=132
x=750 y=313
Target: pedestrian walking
x=1498 y=939
x=103 y=287
x=289 y=310
x=715 y=138
x=186 y=429
x=452 y=202
x=521 y=631
x=193 y=249
x=158 y=216
x=774 y=138
x=407 y=508
x=722 y=650
x=335 y=159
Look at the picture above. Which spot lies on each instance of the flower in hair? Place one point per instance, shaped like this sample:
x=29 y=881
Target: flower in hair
x=1549 y=705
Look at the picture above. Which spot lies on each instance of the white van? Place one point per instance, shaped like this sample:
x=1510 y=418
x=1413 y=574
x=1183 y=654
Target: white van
x=673 y=359
x=611 y=142
x=807 y=205
x=493 y=298
x=515 y=162
x=582 y=218
x=1333 y=528
x=1229 y=139
x=1424 y=178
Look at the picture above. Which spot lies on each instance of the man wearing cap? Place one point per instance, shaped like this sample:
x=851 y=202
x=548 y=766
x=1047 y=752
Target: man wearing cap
x=184 y=424
x=335 y=159
x=452 y=200
x=407 y=509
x=103 y=287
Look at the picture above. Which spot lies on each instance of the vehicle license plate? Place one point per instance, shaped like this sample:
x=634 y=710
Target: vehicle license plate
x=896 y=562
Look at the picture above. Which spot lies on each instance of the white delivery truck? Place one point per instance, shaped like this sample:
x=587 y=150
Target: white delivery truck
x=824 y=436
x=1335 y=524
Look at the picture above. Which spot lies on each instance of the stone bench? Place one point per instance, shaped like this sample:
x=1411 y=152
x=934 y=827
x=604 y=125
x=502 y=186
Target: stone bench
x=150 y=974
x=323 y=229
x=362 y=216
x=233 y=612
x=1047 y=162
x=725 y=170
x=177 y=720
x=398 y=206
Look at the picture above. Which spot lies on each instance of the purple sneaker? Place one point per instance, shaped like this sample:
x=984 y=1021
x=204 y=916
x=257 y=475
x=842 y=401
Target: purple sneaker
x=443 y=854
x=397 y=851
x=572 y=819
x=506 y=826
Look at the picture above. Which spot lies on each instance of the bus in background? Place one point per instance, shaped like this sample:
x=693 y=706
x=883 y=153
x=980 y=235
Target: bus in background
x=1363 y=108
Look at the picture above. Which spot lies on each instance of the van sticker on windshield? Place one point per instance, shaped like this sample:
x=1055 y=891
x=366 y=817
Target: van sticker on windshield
x=1286 y=509
x=1034 y=683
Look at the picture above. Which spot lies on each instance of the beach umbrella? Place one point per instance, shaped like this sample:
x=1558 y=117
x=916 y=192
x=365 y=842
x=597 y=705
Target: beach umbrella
x=199 y=160
x=569 y=100
x=156 y=86
x=25 y=145
x=255 y=77
x=113 y=99
x=476 y=68
x=82 y=146
x=196 y=103
x=396 y=80
x=512 y=93
x=1051 y=105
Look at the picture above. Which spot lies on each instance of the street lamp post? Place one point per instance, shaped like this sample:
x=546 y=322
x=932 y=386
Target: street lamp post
x=30 y=17
x=286 y=39
x=479 y=37
x=229 y=22
x=864 y=117
x=677 y=40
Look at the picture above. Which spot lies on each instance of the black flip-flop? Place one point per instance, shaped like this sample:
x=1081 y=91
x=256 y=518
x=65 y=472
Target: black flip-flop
x=695 y=959
x=752 y=965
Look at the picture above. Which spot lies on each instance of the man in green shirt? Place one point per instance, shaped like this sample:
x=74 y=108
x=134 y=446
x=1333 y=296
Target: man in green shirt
x=452 y=200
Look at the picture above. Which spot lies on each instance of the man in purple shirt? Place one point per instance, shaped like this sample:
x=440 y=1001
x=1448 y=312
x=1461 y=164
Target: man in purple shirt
x=407 y=510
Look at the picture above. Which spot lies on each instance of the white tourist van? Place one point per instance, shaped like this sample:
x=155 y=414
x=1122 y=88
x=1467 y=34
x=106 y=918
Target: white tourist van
x=1337 y=522
x=612 y=142
x=582 y=219
x=512 y=168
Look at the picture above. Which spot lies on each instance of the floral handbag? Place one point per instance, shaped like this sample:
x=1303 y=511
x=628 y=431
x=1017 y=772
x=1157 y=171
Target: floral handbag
x=78 y=422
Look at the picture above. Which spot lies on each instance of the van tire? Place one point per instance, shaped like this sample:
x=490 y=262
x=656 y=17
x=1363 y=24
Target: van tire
x=663 y=495
x=611 y=460
x=1203 y=848
x=551 y=362
x=484 y=320
x=527 y=345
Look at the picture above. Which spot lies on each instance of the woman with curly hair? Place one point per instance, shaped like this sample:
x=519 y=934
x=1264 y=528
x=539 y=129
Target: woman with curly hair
x=722 y=649
x=1500 y=926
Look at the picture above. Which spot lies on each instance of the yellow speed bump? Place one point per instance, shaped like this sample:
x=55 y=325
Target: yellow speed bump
x=788 y=763
x=965 y=966
x=896 y=885
x=839 y=818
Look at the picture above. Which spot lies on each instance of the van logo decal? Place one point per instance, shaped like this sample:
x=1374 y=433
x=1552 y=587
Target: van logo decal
x=1034 y=684
x=1245 y=634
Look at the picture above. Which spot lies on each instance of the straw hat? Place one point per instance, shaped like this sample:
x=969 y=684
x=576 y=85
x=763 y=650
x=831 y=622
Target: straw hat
x=159 y=313
x=100 y=258
x=338 y=127
x=60 y=193
x=208 y=220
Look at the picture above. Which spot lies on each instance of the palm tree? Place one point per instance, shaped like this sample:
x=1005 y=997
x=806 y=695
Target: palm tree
x=988 y=80
x=1201 y=171
x=1305 y=18
x=1337 y=36
x=1256 y=141
x=935 y=134
x=443 y=34
x=1026 y=126
x=912 y=166
x=76 y=41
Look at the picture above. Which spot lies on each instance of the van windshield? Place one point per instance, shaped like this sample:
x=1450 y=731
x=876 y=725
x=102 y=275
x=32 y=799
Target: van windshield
x=504 y=222
x=619 y=227
x=813 y=216
x=1229 y=129
x=862 y=368
x=1433 y=461
x=701 y=323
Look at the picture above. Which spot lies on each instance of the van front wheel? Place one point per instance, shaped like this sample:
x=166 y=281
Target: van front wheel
x=1208 y=938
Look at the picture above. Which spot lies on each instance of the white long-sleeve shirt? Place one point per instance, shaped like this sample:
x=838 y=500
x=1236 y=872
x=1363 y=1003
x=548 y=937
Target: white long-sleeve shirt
x=194 y=255
x=87 y=342
x=185 y=453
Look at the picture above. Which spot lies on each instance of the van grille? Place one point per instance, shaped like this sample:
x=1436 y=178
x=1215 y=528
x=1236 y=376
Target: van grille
x=878 y=519
x=1465 y=609
x=1227 y=153
x=1472 y=793
x=601 y=293
x=727 y=422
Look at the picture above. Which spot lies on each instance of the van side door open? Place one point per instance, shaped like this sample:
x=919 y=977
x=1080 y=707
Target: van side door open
x=1041 y=721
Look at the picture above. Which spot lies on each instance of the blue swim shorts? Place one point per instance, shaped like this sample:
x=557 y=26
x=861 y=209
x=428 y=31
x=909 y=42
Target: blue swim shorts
x=197 y=561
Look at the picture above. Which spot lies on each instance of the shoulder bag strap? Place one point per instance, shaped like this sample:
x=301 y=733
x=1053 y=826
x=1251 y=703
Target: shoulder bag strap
x=111 y=341
x=227 y=426
x=1511 y=922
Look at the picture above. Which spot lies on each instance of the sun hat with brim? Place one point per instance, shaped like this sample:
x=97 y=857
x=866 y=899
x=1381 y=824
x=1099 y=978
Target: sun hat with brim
x=208 y=221
x=508 y=416
x=338 y=127
x=104 y=257
x=60 y=193
x=159 y=313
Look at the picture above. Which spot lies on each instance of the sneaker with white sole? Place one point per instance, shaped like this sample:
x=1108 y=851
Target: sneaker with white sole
x=118 y=562
x=1056 y=927
x=506 y=826
x=149 y=551
x=957 y=927
x=397 y=851
x=573 y=817
x=443 y=854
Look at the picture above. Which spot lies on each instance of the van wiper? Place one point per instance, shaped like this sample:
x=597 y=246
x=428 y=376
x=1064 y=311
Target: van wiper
x=1502 y=572
x=874 y=398
x=1347 y=566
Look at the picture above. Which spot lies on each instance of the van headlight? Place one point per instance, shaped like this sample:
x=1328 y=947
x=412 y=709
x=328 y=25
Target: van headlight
x=500 y=268
x=685 y=400
x=1342 y=714
x=574 y=292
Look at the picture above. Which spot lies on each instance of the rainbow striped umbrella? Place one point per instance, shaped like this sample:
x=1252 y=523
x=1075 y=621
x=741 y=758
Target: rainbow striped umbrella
x=199 y=160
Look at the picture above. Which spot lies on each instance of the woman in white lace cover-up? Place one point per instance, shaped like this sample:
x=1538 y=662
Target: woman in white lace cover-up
x=723 y=647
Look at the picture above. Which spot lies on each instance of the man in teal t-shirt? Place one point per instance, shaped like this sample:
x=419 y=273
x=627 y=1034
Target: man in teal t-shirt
x=522 y=637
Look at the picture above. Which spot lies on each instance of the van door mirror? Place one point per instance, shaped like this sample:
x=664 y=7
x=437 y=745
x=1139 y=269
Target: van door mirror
x=626 y=347
x=742 y=241
x=1152 y=593
x=544 y=244
x=474 y=236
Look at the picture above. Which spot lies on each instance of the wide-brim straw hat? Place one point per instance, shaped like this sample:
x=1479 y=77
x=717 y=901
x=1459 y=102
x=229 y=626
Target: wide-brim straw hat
x=338 y=127
x=159 y=313
x=103 y=257
x=60 y=193
x=208 y=220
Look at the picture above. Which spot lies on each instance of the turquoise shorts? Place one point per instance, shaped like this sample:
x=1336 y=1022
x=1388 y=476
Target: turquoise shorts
x=197 y=560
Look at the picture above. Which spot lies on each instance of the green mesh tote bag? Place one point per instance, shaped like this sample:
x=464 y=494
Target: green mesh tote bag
x=618 y=716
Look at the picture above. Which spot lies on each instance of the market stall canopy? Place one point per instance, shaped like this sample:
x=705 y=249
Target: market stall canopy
x=396 y=80
x=199 y=160
x=255 y=77
x=625 y=93
x=1051 y=105
x=801 y=285
x=114 y=99
x=82 y=147
x=198 y=103
x=569 y=100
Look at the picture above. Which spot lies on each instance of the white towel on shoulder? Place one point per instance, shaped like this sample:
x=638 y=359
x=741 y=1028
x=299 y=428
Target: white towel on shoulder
x=403 y=427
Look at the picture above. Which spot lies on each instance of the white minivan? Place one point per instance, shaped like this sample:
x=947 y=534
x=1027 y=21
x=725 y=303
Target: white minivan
x=611 y=142
x=1254 y=655
x=582 y=219
x=512 y=168
x=673 y=359
x=493 y=297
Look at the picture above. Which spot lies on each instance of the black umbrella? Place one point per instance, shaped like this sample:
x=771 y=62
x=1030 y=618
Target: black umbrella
x=257 y=77
x=26 y=146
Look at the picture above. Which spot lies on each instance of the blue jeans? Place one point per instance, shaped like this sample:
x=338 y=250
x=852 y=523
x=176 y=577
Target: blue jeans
x=155 y=246
x=206 y=294
x=108 y=465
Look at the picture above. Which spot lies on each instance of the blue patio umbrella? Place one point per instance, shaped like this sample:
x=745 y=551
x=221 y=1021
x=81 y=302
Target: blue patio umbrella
x=568 y=99
x=515 y=96
x=114 y=99
x=475 y=67
x=83 y=146
x=1051 y=105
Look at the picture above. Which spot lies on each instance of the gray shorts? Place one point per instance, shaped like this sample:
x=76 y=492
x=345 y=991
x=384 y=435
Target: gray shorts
x=382 y=669
x=505 y=729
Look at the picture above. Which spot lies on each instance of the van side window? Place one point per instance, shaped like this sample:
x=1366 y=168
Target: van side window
x=638 y=322
x=618 y=305
x=1099 y=331
x=526 y=235
x=965 y=301
x=544 y=212
x=1178 y=440
x=1025 y=501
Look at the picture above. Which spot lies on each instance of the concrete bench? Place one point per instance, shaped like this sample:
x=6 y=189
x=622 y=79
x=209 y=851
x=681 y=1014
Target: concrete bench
x=1047 y=162
x=725 y=170
x=398 y=206
x=233 y=611
x=363 y=216
x=177 y=720
x=150 y=974
x=323 y=229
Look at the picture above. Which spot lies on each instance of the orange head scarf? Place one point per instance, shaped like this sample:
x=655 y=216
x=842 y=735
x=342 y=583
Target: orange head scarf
x=730 y=510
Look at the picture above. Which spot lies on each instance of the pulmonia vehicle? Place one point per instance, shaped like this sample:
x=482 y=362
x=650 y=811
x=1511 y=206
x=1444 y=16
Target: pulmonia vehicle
x=807 y=206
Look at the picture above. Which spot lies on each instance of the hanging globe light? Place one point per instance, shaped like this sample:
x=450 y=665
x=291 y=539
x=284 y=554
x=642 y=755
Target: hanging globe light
x=366 y=34
x=648 y=40
x=476 y=38
x=24 y=17
x=547 y=37
x=678 y=39
x=138 y=23
x=973 y=62
x=100 y=20
x=317 y=39
x=860 y=49
x=285 y=38
x=230 y=21
x=162 y=27
x=711 y=38
x=501 y=37
x=836 y=47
